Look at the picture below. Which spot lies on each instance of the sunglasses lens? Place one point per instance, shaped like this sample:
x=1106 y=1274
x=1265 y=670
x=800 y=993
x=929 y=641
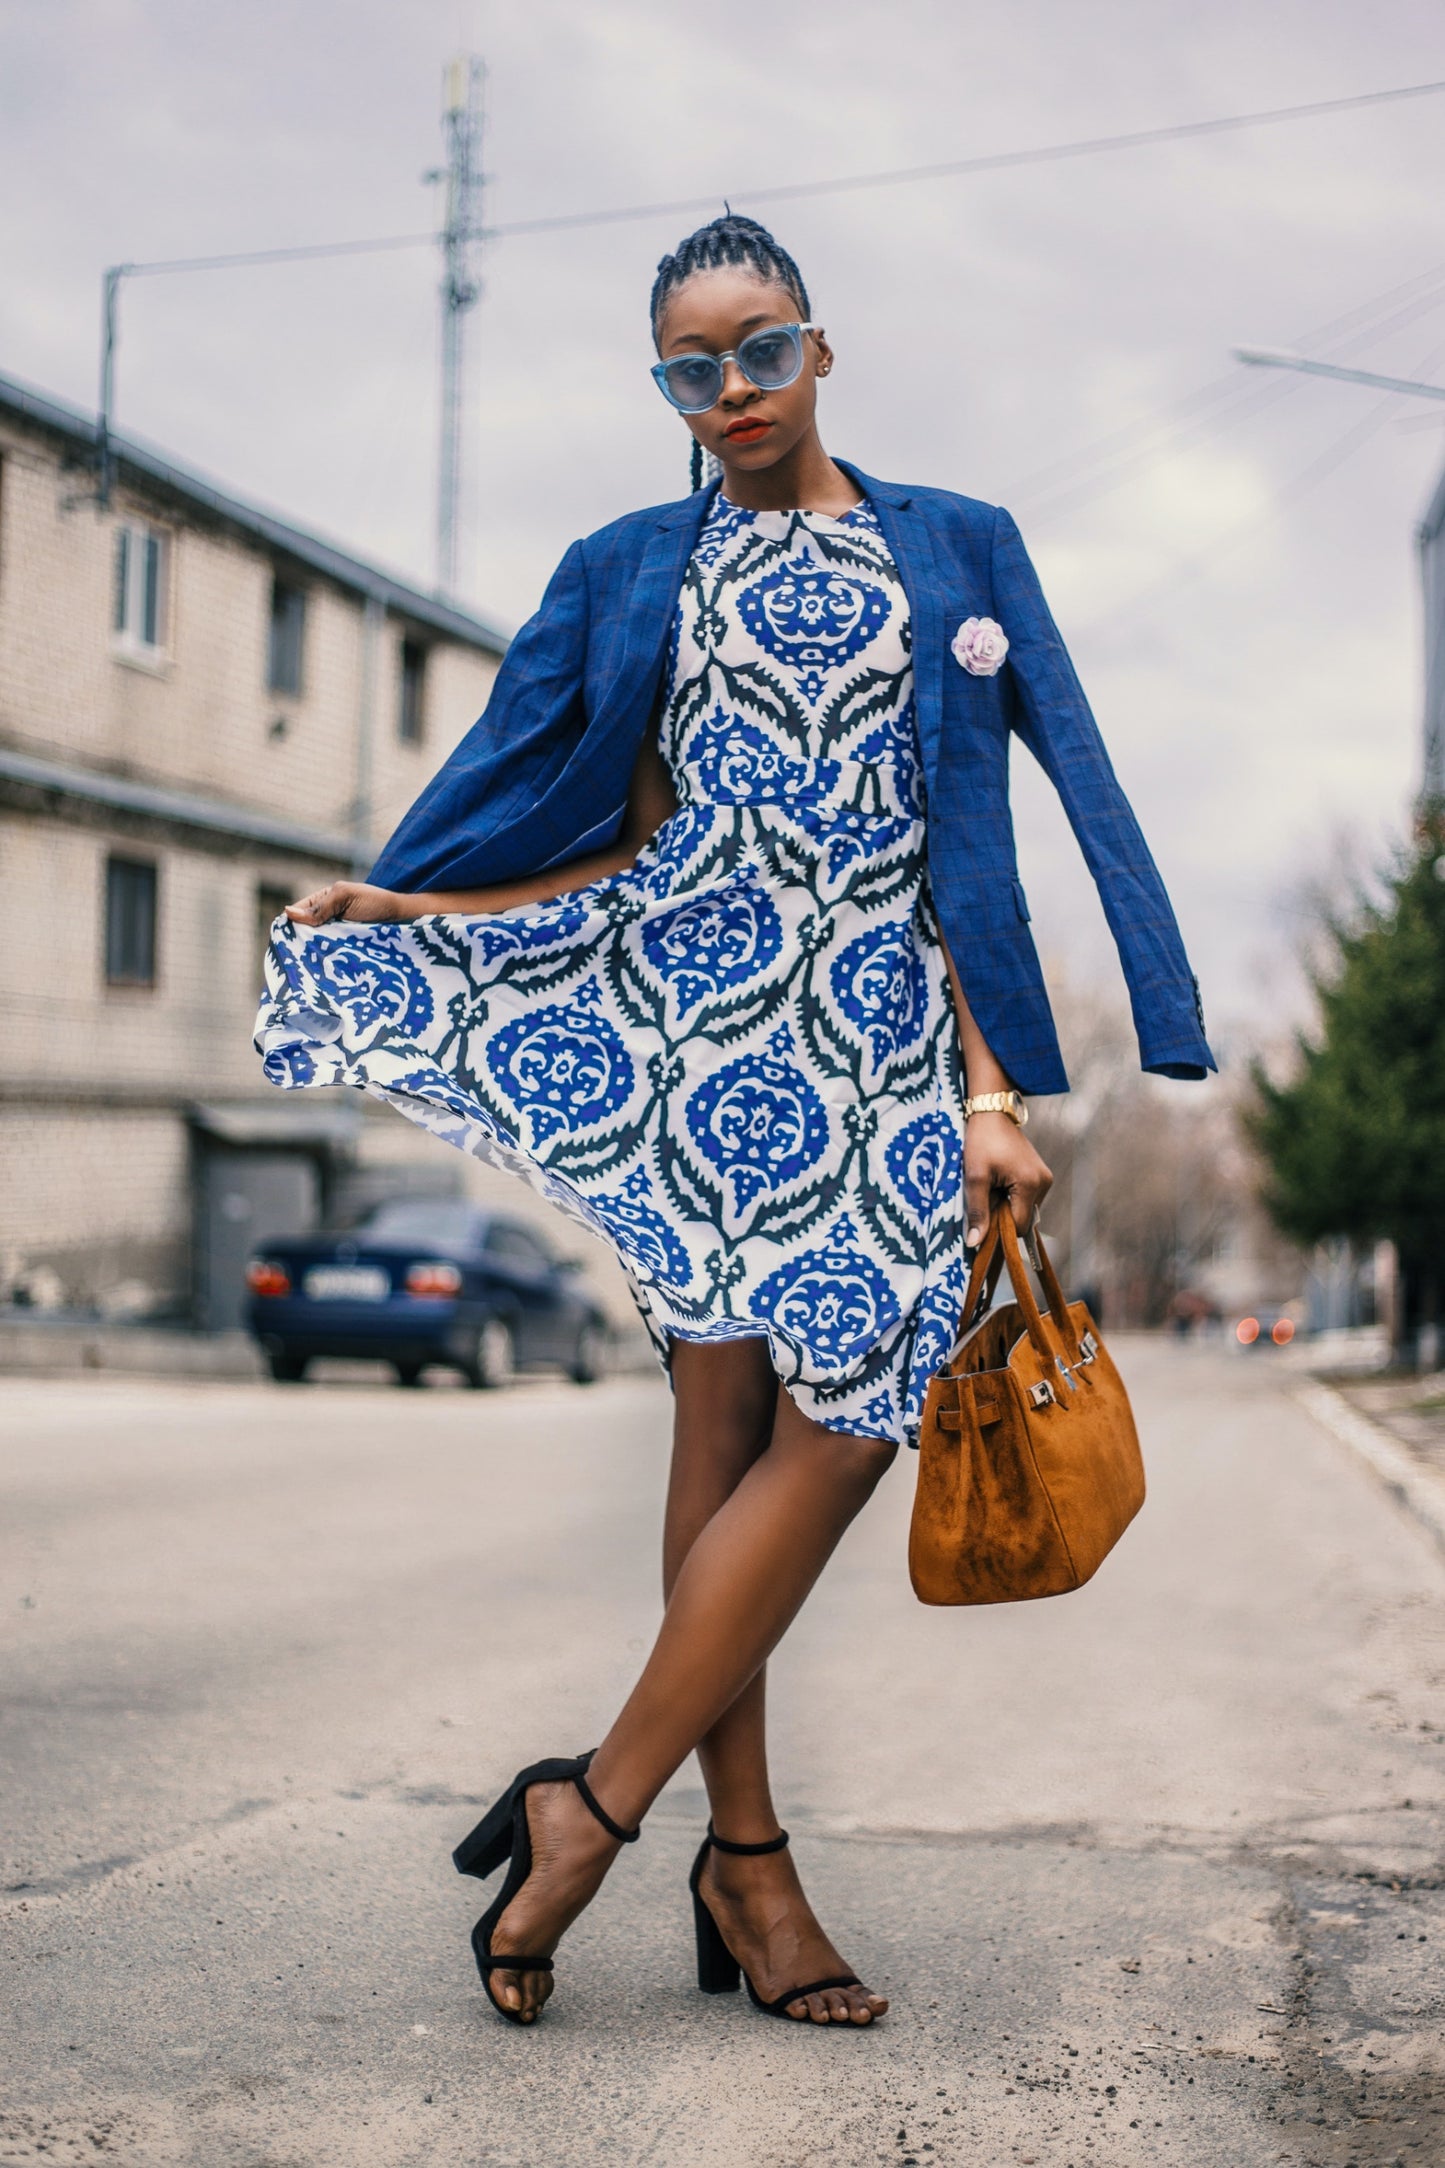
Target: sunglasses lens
x=693 y=383
x=772 y=359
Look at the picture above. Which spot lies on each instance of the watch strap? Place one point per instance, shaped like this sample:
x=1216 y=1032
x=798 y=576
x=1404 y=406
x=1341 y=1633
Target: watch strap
x=1010 y=1103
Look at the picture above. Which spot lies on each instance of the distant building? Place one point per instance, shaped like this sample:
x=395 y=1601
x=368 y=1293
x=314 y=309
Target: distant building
x=204 y=711
x=1431 y=539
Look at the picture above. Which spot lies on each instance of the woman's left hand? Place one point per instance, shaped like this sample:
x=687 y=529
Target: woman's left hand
x=998 y=1156
x=347 y=899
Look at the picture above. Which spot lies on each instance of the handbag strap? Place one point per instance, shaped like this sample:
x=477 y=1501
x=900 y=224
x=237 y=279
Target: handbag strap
x=999 y=1249
x=1054 y=1295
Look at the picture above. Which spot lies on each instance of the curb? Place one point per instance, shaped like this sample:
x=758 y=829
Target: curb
x=1421 y=1494
x=73 y=1347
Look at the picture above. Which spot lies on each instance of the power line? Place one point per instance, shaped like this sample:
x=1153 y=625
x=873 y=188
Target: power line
x=277 y=255
x=991 y=162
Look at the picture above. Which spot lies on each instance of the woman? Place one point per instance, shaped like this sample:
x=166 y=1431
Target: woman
x=696 y=931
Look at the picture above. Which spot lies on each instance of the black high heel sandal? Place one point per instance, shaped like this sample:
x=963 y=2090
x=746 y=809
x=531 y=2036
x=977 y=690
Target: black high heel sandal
x=502 y=1833
x=718 y=1971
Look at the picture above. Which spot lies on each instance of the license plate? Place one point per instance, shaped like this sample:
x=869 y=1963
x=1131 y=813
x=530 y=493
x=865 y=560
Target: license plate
x=347 y=1283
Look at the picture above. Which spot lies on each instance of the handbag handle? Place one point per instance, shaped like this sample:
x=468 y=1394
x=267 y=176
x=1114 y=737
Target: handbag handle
x=1048 y=1280
x=1000 y=1247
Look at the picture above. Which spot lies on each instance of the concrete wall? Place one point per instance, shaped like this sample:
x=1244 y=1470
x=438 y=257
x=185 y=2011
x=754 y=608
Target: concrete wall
x=198 y=715
x=96 y=1081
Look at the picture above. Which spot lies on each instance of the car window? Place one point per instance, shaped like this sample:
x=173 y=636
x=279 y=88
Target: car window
x=417 y=1222
x=514 y=1246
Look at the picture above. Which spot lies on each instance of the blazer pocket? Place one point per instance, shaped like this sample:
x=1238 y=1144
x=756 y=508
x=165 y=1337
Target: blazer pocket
x=1021 y=901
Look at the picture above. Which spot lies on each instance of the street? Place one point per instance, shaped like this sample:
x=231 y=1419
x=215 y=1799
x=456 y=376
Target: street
x=1152 y=1873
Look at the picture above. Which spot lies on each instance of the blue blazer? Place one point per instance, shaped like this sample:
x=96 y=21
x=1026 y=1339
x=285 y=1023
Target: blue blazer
x=543 y=777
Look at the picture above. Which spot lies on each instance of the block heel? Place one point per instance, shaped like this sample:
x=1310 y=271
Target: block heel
x=718 y=1971
x=503 y=1834
x=483 y=1849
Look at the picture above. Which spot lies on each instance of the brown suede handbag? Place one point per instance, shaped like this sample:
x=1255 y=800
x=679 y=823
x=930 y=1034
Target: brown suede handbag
x=1028 y=1461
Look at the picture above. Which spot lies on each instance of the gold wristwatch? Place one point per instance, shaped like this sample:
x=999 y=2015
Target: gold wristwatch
x=1010 y=1103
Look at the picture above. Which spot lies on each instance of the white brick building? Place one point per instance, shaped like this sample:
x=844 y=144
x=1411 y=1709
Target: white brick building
x=203 y=711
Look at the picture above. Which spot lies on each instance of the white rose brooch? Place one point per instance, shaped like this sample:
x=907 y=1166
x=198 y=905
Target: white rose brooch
x=980 y=646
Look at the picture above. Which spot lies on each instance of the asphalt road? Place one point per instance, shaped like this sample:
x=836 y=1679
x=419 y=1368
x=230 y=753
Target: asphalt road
x=1152 y=1872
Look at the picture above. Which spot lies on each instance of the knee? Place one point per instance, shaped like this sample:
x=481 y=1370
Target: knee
x=866 y=1459
x=853 y=1464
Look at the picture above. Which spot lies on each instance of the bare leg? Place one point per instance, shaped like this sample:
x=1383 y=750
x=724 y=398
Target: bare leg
x=726 y=1405
x=741 y=1583
x=726 y=1399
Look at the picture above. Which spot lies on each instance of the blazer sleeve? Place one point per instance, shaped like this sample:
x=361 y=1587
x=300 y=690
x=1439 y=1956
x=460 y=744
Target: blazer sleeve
x=1054 y=720
x=505 y=764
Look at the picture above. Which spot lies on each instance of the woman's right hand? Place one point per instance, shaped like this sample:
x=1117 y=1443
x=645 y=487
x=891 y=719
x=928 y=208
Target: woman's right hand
x=347 y=899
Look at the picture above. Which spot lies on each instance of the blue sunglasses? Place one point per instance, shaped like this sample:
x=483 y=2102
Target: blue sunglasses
x=771 y=359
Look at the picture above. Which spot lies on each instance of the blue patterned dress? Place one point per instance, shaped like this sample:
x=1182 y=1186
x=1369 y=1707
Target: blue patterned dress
x=736 y=1061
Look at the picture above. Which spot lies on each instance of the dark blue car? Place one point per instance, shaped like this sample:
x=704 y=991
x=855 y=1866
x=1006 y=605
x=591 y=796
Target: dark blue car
x=421 y=1283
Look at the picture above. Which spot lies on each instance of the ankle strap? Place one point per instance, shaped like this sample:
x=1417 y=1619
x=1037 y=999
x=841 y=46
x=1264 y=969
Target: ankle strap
x=613 y=1829
x=746 y=1851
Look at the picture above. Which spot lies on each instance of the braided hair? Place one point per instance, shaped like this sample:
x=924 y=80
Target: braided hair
x=731 y=242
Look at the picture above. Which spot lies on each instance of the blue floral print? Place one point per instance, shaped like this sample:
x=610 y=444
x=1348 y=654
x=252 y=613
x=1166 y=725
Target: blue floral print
x=737 y=1060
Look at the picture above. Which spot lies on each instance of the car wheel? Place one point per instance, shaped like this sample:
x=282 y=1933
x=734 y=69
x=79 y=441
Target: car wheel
x=407 y=1373
x=288 y=1369
x=493 y=1362
x=589 y=1362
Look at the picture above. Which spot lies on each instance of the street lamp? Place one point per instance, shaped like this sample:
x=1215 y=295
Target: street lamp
x=1430 y=537
x=1268 y=357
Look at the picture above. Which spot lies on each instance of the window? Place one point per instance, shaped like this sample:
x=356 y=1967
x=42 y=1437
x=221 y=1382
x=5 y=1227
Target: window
x=411 y=713
x=130 y=922
x=514 y=1250
x=138 y=611
x=422 y=1223
x=270 y=903
x=286 y=652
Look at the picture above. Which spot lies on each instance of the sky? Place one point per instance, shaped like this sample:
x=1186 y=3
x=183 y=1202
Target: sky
x=1229 y=552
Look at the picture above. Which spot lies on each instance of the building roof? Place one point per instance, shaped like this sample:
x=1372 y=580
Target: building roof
x=140 y=466
x=30 y=782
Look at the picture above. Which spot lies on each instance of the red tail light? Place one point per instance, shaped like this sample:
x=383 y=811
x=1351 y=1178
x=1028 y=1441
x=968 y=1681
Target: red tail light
x=433 y=1279
x=1283 y=1332
x=1246 y=1332
x=265 y=1277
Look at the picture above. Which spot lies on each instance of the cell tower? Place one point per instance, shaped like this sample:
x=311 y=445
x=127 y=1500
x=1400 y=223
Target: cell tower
x=461 y=244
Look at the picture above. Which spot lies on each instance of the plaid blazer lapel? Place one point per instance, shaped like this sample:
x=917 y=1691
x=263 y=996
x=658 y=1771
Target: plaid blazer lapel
x=906 y=532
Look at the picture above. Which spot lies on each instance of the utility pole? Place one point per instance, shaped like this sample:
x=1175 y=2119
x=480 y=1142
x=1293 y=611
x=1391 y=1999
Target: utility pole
x=1431 y=539
x=461 y=245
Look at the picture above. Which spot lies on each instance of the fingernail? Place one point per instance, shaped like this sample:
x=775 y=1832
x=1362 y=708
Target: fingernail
x=973 y=1238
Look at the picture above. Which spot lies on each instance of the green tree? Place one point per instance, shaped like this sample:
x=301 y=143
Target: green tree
x=1355 y=1142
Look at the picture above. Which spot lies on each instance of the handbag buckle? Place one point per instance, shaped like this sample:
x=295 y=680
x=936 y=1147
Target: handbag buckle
x=1088 y=1348
x=1042 y=1395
